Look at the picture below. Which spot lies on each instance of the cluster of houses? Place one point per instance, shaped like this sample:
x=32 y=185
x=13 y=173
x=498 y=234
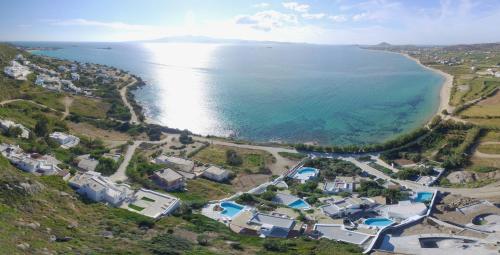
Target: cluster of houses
x=99 y=188
x=353 y=219
x=178 y=170
x=16 y=70
x=32 y=162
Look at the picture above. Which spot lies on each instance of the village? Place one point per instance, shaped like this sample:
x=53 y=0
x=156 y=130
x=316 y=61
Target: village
x=356 y=199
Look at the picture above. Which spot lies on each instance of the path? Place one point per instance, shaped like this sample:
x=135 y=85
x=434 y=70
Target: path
x=123 y=94
x=26 y=100
x=479 y=154
x=67 y=101
x=120 y=174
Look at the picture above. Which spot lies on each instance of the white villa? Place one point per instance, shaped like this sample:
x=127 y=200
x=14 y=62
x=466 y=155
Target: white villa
x=65 y=140
x=405 y=209
x=272 y=226
x=30 y=163
x=216 y=174
x=7 y=124
x=340 y=184
x=99 y=188
x=181 y=164
x=17 y=71
x=345 y=206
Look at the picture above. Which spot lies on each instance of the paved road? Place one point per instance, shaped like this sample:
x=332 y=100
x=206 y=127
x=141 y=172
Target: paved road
x=491 y=191
x=123 y=94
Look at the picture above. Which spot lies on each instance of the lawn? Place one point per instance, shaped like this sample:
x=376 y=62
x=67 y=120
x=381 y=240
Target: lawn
x=135 y=207
x=253 y=160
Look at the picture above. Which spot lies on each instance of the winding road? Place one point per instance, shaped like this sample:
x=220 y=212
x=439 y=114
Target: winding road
x=123 y=94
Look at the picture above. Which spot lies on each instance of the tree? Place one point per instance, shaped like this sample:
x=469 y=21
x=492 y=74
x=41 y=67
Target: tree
x=42 y=126
x=106 y=166
x=184 y=138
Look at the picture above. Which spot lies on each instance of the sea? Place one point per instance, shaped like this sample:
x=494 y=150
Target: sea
x=279 y=92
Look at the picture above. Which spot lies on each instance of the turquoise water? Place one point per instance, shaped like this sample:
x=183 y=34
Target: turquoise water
x=423 y=197
x=307 y=170
x=230 y=209
x=299 y=204
x=305 y=173
x=278 y=92
x=379 y=222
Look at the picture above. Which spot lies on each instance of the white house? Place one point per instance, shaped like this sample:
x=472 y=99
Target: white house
x=216 y=174
x=272 y=226
x=7 y=124
x=75 y=76
x=340 y=184
x=345 y=206
x=99 y=188
x=405 y=209
x=177 y=163
x=17 y=71
x=65 y=140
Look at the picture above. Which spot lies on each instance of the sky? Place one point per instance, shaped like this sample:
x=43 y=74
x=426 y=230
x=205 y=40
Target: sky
x=311 y=21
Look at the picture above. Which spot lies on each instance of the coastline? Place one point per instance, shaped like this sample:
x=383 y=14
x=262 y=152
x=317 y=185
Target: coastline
x=446 y=87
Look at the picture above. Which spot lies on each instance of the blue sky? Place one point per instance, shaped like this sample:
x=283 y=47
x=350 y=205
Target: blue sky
x=313 y=21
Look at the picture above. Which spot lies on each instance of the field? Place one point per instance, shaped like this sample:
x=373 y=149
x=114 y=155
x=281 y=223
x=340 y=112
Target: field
x=204 y=190
x=87 y=107
x=489 y=148
x=253 y=160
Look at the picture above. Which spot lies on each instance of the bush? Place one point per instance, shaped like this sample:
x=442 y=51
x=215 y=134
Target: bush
x=233 y=159
x=168 y=244
x=275 y=245
x=184 y=138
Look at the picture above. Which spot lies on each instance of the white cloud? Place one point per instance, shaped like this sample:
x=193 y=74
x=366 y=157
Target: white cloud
x=313 y=15
x=94 y=23
x=261 y=5
x=294 y=6
x=337 y=18
x=360 y=16
x=267 y=20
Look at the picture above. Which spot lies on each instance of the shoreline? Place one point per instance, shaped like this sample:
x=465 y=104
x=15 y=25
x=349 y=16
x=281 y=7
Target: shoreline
x=446 y=86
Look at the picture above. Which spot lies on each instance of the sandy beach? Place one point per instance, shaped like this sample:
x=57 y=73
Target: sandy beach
x=445 y=92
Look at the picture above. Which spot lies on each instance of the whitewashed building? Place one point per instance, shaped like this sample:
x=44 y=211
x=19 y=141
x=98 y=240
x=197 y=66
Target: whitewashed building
x=7 y=124
x=65 y=140
x=216 y=174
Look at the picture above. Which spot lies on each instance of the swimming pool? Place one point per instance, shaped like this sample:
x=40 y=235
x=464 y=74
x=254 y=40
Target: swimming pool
x=305 y=173
x=423 y=197
x=299 y=204
x=379 y=222
x=230 y=209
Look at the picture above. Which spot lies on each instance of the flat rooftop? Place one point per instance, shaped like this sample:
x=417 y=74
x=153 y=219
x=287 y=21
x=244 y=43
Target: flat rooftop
x=337 y=232
x=154 y=204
